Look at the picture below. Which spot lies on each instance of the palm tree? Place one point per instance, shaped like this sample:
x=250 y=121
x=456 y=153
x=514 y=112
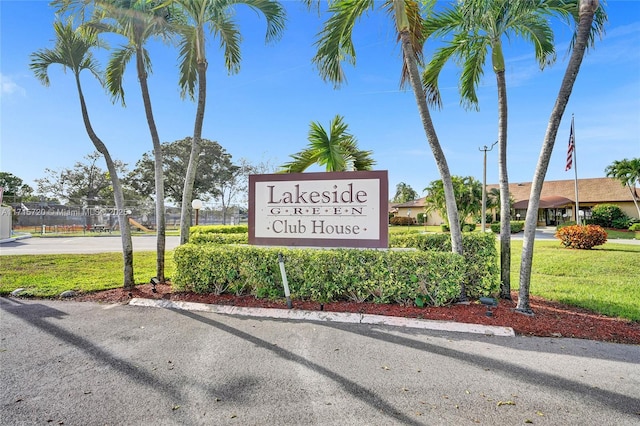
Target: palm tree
x=335 y=45
x=478 y=28
x=137 y=21
x=468 y=192
x=337 y=150
x=590 y=18
x=628 y=173
x=214 y=14
x=73 y=51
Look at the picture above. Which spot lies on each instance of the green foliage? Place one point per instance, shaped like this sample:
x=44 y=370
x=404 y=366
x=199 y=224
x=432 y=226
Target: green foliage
x=404 y=193
x=635 y=227
x=218 y=229
x=445 y=228
x=214 y=168
x=401 y=220
x=321 y=275
x=336 y=150
x=467 y=192
x=421 y=218
x=516 y=226
x=480 y=254
x=469 y=227
x=621 y=223
x=582 y=237
x=606 y=214
x=209 y=237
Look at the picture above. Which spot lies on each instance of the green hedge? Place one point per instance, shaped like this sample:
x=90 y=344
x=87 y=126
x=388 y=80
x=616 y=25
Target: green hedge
x=382 y=276
x=516 y=226
x=218 y=229
x=482 y=275
x=204 y=238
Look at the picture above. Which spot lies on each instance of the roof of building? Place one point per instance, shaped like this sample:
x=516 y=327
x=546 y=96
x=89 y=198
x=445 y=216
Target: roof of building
x=594 y=190
x=409 y=204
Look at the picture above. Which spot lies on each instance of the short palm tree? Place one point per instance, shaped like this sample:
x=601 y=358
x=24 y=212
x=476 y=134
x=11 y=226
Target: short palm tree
x=214 y=16
x=628 y=173
x=335 y=45
x=73 y=51
x=477 y=29
x=337 y=150
x=590 y=19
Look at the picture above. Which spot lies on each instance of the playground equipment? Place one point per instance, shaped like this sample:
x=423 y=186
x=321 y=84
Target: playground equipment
x=139 y=225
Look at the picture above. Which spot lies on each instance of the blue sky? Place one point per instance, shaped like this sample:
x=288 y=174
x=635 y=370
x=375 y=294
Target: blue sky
x=263 y=113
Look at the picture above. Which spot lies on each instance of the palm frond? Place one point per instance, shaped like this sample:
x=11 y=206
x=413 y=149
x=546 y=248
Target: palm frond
x=115 y=72
x=188 y=63
x=335 y=43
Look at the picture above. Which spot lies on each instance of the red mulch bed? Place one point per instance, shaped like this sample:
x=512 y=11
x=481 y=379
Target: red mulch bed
x=550 y=319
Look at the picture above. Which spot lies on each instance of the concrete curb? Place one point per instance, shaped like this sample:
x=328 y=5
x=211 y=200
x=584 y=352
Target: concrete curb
x=351 y=318
x=16 y=238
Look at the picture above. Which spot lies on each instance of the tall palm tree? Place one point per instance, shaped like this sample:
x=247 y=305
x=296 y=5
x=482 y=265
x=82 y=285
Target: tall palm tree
x=590 y=18
x=628 y=173
x=478 y=28
x=335 y=45
x=137 y=21
x=214 y=15
x=337 y=150
x=73 y=51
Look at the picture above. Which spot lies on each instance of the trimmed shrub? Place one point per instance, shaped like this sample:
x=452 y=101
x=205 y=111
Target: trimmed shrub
x=516 y=226
x=482 y=276
x=445 y=227
x=401 y=220
x=606 y=214
x=421 y=218
x=382 y=276
x=199 y=238
x=218 y=229
x=582 y=237
x=635 y=227
x=468 y=227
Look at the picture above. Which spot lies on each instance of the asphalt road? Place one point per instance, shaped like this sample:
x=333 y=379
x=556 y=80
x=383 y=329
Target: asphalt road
x=82 y=245
x=89 y=364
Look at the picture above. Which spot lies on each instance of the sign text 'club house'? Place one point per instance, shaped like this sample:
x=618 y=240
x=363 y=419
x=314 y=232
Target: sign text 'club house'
x=339 y=209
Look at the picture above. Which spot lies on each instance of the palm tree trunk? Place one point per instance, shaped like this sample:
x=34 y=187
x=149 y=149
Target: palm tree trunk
x=505 y=207
x=159 y=178
x=634 y=198
x=438 y=154
x=194 y=156
x=587 y=10
x=125 y=231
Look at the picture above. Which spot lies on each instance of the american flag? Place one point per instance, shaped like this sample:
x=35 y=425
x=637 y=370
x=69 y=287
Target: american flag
x=572 y=143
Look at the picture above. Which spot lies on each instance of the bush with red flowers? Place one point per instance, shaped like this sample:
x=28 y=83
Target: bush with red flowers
x=582 y=237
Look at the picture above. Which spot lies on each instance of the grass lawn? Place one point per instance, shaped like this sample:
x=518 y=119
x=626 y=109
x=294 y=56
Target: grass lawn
x=51 y=274
x=604 y=279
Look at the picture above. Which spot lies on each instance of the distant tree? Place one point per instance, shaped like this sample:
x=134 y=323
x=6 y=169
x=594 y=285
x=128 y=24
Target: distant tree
x=14 y=188
x=84 y=184
x=214 y=166
x=628 y=173
x=233 y=186
x=337 y=150
x=404 y=193
x=468 y=195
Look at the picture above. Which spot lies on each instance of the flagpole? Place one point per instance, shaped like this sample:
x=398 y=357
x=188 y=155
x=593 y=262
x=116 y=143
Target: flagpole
x=575 y=169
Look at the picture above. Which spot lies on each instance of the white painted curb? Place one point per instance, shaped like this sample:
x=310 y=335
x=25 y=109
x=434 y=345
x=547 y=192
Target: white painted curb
x=351 y=318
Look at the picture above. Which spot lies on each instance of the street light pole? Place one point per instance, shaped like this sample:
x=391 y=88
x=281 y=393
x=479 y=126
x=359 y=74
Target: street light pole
x=196 y=205
x=484 y=186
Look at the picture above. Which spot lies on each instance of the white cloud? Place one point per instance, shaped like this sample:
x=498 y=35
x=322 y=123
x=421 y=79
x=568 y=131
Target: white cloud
x=10 y=87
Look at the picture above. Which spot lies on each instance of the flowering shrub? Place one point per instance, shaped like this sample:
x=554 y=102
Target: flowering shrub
x=582 y=237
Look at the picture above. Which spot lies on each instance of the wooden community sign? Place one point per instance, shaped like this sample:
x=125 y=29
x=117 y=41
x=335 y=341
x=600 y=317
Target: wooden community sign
x=327 y=209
